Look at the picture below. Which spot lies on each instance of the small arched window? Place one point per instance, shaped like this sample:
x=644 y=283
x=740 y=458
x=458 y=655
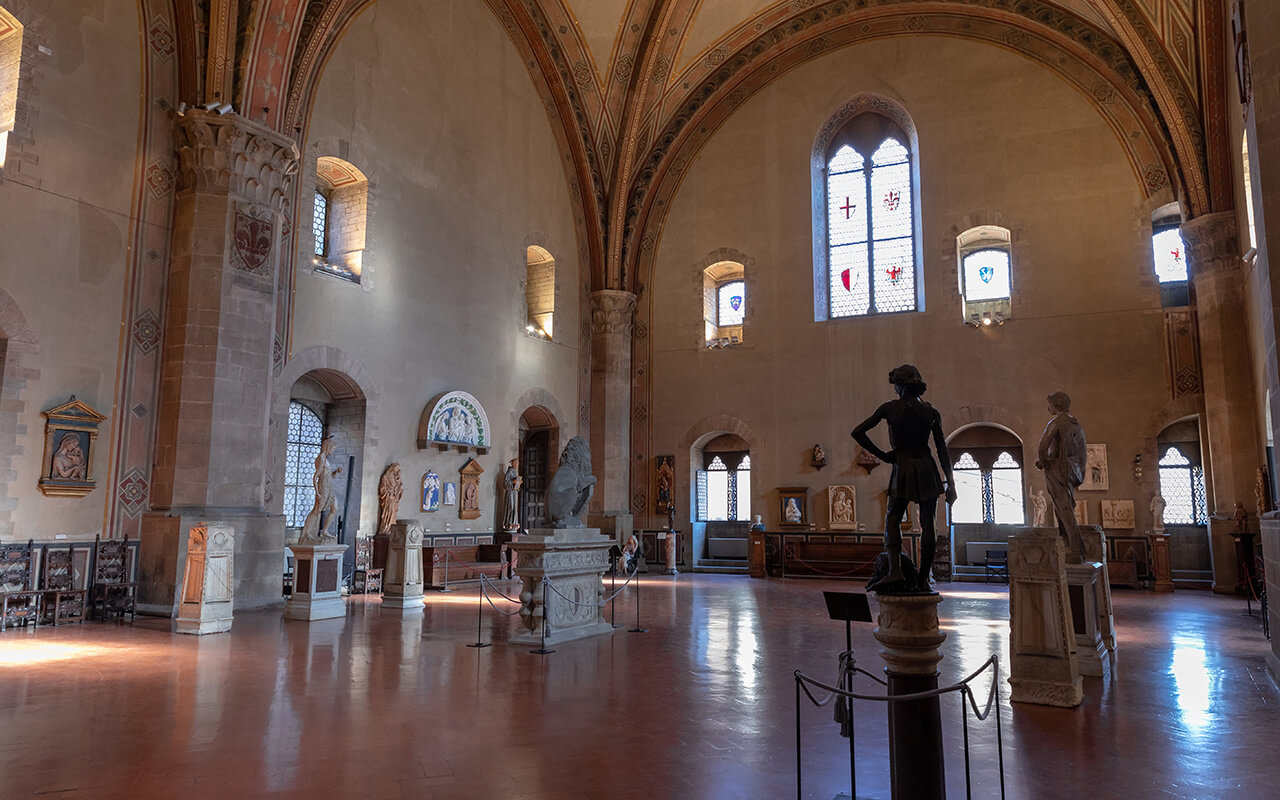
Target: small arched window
x=724 y=487
x=302 y=446
x=10 y=62
x=870 y=214
x=539 y=292
x=988 y=487
x=339 y=219
x=724 y=303
x=986 y=274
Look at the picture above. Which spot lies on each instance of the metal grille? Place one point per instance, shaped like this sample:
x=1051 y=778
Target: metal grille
x=302 y=445
x=320 y=225
x=1182 y=487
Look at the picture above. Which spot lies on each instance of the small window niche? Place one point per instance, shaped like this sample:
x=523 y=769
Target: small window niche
x=985 y=258
x=339 y=220
x=1169 y=256
x=724 y=303
x=539 y=292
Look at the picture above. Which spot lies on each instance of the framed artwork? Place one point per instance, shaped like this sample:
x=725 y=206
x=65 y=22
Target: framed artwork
x=70 y=433
x=430 y=491
x=1097 y=478
x=1082 y=512
x=450 y=494
x=665 y=476
x=454 y=419
x=1117 y=514
x=792 y=506
x=469 y=476
x=842 y=513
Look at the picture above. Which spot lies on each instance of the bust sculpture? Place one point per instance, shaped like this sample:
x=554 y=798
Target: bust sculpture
x=390 y=491
x=758 y=523
x=1062 y=455
x=1157 y=512
x=511 y=482
x=326 y=500
x=912 y=422
x=572 y=485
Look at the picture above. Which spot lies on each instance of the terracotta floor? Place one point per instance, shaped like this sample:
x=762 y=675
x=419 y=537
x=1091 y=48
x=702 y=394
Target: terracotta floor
x=701 y=706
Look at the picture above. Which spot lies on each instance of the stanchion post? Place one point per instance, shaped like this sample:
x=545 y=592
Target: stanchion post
x=542 y=651
x=613 y=602
x=479 y=617
x=799 y=792
x=446 y=570
x=637 y=628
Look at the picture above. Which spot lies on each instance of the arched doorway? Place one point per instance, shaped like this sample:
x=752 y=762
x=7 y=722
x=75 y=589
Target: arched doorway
x=987 y=461
x=721 y=465
x=1180 y=474
x=539 y=444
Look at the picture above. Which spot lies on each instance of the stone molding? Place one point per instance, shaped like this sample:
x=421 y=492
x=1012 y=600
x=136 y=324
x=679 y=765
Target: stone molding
x=226 y=152
x=612 y=311
x=1212 y=242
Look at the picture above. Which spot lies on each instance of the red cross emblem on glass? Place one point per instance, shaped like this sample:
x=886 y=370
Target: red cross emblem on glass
x=847 y=207
x=894 y=273
x=1177 y=254
x=891 y=200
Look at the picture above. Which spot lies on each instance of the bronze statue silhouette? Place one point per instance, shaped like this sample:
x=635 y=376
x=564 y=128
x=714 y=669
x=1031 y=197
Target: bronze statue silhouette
x=915 y=478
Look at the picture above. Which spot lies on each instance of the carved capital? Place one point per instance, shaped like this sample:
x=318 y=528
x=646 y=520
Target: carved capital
x=1212 y=242
x=612 y=311
x=226 y=152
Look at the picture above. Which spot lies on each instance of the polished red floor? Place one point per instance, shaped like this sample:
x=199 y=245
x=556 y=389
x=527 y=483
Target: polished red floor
x=701 y=707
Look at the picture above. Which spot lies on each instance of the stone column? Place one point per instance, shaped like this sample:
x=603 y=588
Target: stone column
x=612 y=314
x=402 y=582
x=1230 y=422
x=219 y=335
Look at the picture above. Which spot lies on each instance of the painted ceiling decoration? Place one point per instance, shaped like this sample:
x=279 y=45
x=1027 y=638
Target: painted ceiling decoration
x=634 y=88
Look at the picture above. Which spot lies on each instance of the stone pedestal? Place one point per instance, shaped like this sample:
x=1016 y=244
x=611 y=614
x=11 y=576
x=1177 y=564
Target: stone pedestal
x=402 y=580
x=1160 y=566
x=907 y=629
x=1086 y=585
x=575 y=560
x=317 y=582
x=1095 y=548
x=208 y=584
x=1043 y=667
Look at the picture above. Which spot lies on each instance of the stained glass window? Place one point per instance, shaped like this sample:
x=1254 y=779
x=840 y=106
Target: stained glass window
x=320 y=224
x=1182 y=487
x=1170 y=255
x=724 y=493
x=302 y=445
x=871 y=231
x=732 y=303
x=986 y=275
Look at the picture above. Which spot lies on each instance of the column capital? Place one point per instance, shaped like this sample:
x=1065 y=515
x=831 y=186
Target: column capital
x=1212 y=242
x=612 y=311
x=226 y=152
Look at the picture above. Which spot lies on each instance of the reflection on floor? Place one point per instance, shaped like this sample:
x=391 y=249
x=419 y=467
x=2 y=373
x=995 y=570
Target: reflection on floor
x=700 y=707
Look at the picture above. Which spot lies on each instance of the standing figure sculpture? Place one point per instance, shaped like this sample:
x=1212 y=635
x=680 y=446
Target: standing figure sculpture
x=326 y=500
x=511 y=483
x=390 y=491
x=1040 y=505
x=1157 y=512
x=1062 y=456
x=915 y=477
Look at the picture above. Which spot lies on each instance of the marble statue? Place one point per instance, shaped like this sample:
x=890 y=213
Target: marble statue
x=792 y=514
x=511 y=483
x=1062 y=455
x=451 y=494
x=69 y=461
x=572 y=485
x=912 y=422
x=326 y=499
x=390 y=490
x=1040 y=508
x=1157 y=512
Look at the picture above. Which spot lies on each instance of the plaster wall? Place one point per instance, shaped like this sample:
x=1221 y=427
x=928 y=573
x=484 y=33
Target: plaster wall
x=999 y=138
x=464 y=174
x=65 y=195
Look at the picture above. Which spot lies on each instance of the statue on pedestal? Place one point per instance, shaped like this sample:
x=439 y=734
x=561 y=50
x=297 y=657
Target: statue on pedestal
x=1062 y=456
x=1157 y=513
x=915 y=478
x=1040 y=507
x=326 y=500
x=511 y=482
x=390 y=490
x=572 y=485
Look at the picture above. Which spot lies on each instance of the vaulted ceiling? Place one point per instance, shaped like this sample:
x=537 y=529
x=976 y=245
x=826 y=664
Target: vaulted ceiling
x=635 y=87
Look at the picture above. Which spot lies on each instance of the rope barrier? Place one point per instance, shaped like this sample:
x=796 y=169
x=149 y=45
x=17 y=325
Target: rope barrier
x=485 y=591
x=993 y=661
x=603 y=602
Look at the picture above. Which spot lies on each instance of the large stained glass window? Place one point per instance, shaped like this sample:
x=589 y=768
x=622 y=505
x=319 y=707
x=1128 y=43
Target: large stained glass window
x=1182 y=487
x=302 y=445
x=1170 y=255
x=731 y=303
x=871 y=230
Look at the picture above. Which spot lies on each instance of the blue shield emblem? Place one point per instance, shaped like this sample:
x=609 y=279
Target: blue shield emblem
x=986 y=274
x=735 y=302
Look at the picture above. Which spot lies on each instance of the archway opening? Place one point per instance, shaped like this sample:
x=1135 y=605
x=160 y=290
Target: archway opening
x=1181 y=470
x=539 y=445
x=721 y=500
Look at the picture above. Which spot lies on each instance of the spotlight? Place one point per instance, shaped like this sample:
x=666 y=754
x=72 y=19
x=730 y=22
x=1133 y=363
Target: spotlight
x=225 y=108
x=986 y=320
x=182 y=109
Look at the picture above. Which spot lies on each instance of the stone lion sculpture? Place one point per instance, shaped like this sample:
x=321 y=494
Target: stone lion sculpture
x=572 y=485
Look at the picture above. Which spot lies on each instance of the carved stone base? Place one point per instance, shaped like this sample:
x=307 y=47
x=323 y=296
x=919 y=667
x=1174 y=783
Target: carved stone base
x=1086 y=586
x=575 y=560
x=208 y=596
x=1095 y=543
x=317 y=582
x=1043 y=666
x=402 y=581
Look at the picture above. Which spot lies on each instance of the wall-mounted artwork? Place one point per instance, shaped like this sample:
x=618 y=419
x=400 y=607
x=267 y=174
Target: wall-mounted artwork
x=842 y=512
x=454 y=419
x=450 y=494
x=1117 y=514
x=469 y=477
x=1097 y=478
x=1082 y=512
x=70 y=433
x=430 y=491
x=665 y=478
x=792 y=506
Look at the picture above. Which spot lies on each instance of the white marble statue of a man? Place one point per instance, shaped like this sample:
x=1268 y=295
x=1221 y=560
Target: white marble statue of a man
x=1040 y=508
x=1157 y=512
x=326 y=499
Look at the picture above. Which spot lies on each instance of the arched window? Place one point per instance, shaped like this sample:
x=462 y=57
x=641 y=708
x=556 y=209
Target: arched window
x=986 y=274
x=539 y=292
x=1182 y=487
x=339 y=218
x=724 y=487
x=870 y=201
x=724 y=303
x=302 y=445
x=10 y=62
x=988 y=487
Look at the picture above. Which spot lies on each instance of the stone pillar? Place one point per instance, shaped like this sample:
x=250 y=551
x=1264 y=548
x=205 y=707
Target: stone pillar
x=219 y=340
x=612 y=314
x=907 y=628
x=1230 y=423
x=402 y=582
x=1043 y=666
x=207 y=596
